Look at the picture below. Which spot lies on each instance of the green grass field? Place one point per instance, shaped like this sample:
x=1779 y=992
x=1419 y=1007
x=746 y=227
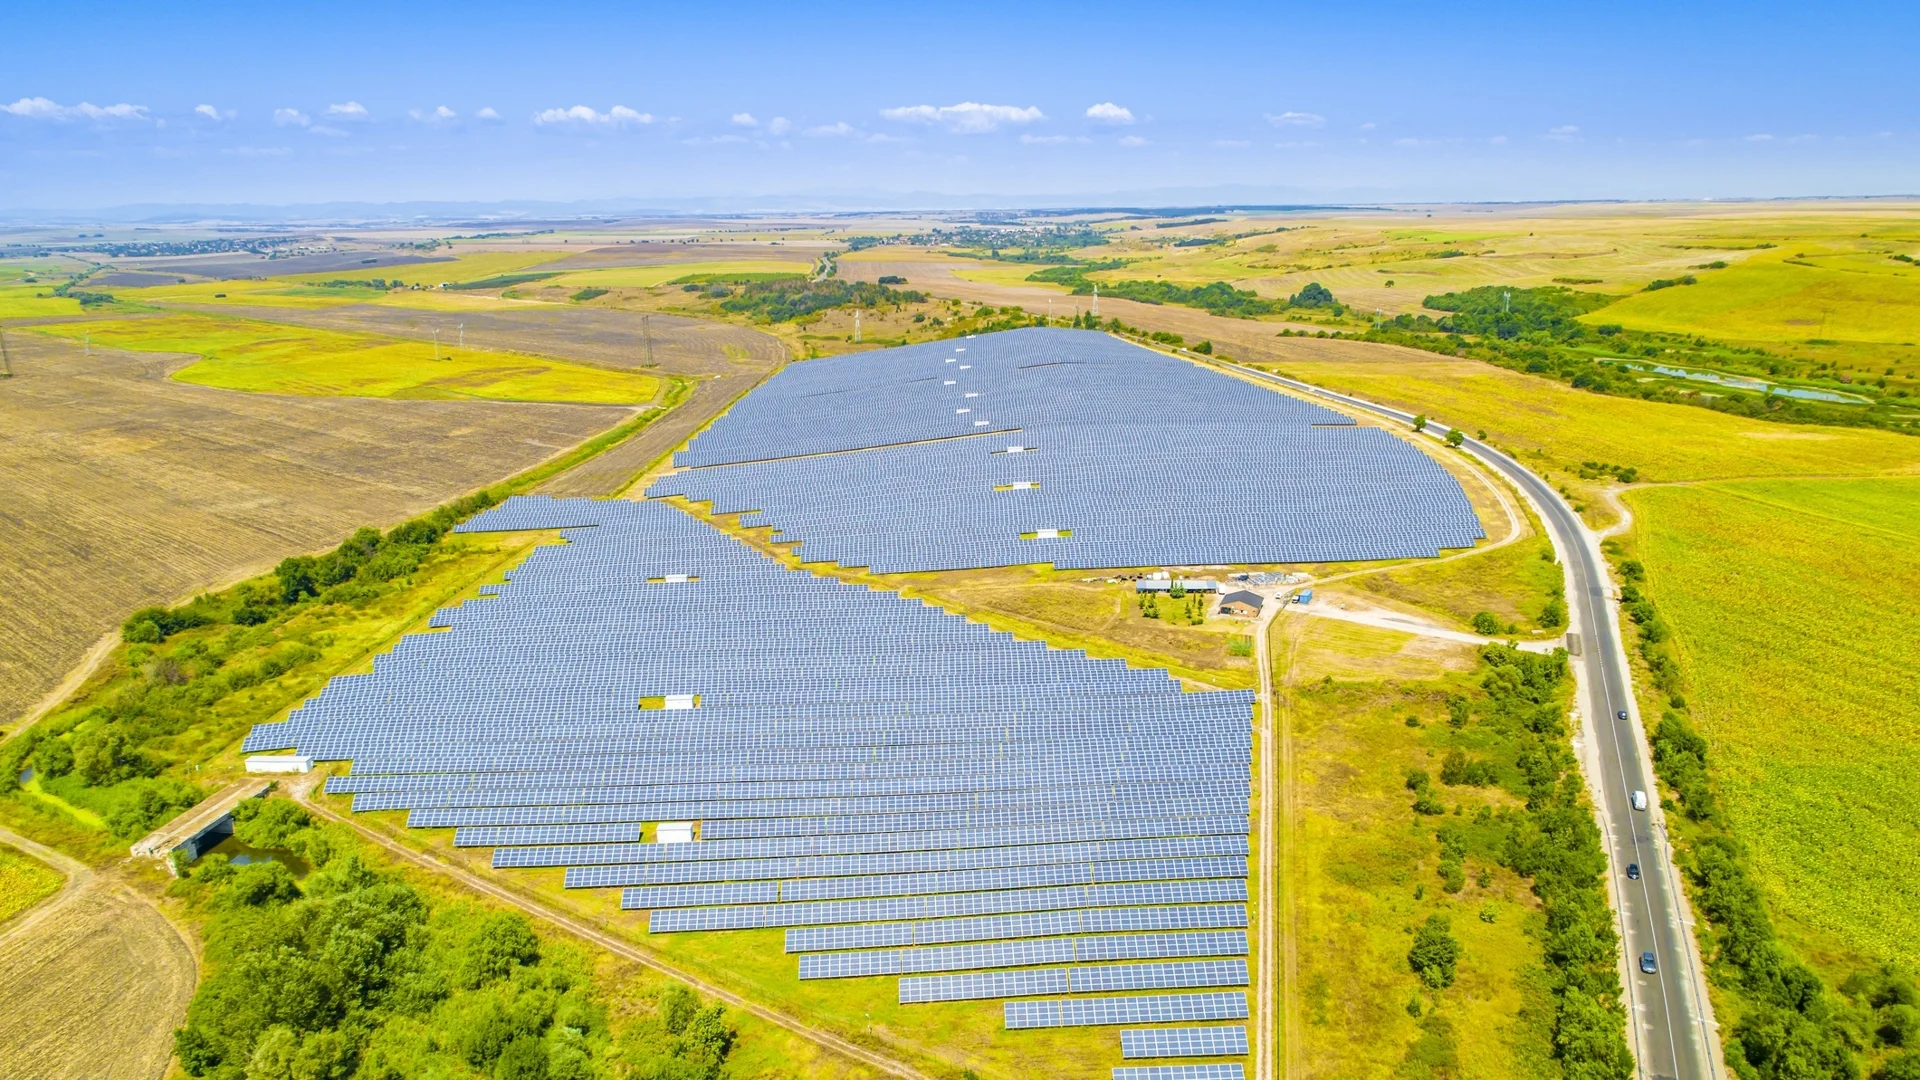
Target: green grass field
x=24 y=882
x=1796 y=612
x=1554 y=427
x=23 y=299
x=259 y=357
x=1364 y=871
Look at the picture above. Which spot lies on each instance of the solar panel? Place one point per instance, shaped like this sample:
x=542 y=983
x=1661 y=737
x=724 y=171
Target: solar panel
x=1212 y=1071
x=1146 y=1009
x=1183 y=1042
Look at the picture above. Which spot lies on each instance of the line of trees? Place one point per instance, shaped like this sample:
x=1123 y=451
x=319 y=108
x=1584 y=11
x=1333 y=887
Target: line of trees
x=785 y=300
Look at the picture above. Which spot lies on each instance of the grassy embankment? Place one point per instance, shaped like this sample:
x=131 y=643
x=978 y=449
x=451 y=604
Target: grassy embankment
x=260 y=357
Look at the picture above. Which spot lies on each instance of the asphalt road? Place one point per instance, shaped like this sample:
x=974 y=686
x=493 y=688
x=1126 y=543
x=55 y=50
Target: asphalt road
x=1668 y=1027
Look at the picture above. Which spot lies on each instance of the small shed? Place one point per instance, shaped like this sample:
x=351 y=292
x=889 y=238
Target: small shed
x=1242 y=603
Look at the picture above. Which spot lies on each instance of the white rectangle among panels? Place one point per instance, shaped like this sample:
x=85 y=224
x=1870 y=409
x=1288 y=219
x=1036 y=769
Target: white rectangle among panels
x=674 y=832
x=279 y=763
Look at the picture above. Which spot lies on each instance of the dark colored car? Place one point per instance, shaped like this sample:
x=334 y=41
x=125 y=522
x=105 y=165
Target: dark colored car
x=1622 y=714
x=1633 y=871
x=1647 y=965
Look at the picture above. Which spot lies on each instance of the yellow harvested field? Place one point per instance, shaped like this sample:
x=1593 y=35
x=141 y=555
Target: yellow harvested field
x=240 y=354
x=128 y=488
x=1795 y=608
x=94 y=989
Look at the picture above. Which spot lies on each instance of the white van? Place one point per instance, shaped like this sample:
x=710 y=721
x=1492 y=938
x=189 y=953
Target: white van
x=1639 y=800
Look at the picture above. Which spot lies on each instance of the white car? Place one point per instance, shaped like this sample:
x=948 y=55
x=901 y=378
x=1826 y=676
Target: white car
x=1639 y=800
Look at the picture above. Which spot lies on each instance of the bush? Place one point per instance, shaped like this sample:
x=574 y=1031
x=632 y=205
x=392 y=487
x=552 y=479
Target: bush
x=1435 y=953
x=1486 y=624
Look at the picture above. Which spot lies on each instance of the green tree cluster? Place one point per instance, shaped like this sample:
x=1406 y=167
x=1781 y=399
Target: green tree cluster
x=354 y=973
x=789 y=299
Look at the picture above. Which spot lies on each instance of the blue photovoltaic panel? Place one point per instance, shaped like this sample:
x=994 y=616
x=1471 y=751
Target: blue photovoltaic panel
x=1146 y=1009
x=1183 y=1042
x=1214 y=1071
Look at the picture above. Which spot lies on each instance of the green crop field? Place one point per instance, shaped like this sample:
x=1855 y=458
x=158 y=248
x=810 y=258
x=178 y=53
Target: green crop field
x=24 y=882
x=238 y=354
x=1795 y=607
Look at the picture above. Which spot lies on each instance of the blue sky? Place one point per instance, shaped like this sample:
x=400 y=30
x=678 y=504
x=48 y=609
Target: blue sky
x=110 y=104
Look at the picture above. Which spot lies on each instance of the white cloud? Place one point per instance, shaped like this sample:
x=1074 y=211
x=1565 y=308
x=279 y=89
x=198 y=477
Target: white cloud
x=352 y=110
x=745 y=119
x=1564 y=133
x=618 y=116
x=838 y=130
x=1294 y=144
x=39 y=108
x=1498 y=140
x=486 y=113
x=439 y=115
x=1052 y=140
x=1296 y=119
x=291 y=118
x=1108 y=113
x=712 y=140
x=779 y=125
x=212 y=113
x=258 y=151
x=327 y=130
x=966 y=118
x=1760 y=138
x=1368 y=126
x=1132 y=140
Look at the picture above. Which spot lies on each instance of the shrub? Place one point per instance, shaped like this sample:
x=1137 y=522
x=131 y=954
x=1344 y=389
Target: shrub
x=1435 y=953
x=1486 y=623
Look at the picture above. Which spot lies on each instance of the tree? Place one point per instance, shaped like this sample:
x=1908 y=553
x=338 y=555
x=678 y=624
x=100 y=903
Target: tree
x=299 y=576
x=1486 y=623
x=1455 y=437
x=1420 y=422
x=1435 y=953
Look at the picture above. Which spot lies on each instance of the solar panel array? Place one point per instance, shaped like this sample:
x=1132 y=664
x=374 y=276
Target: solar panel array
x=1155 y=1009
x=1061 y=446
x=913 y=794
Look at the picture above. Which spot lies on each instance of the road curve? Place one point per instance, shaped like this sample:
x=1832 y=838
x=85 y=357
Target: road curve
x=1669 y=1020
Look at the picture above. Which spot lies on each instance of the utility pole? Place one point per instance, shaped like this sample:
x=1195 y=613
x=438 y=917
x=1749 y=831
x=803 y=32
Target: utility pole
x=89 y=344
x=463 y=337
x=1049 y=311
x=1506 y=303
x=646 y=328
x=856 y=326
x=436 y=344
x=1096 y=299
